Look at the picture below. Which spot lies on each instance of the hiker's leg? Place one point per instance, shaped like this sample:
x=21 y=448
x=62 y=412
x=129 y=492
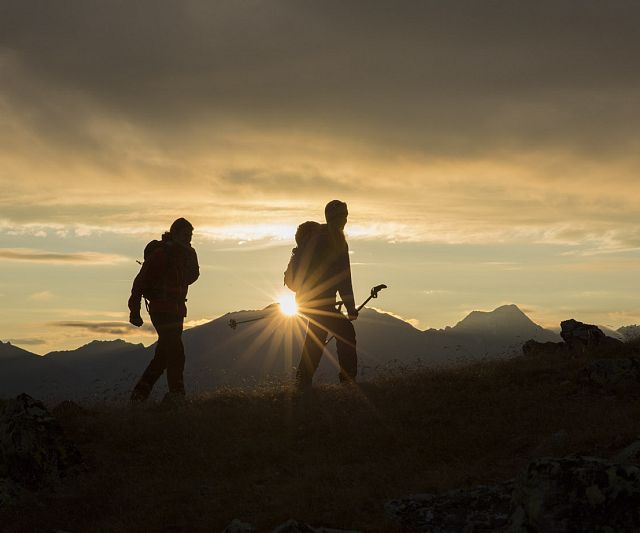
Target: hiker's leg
x=311 y=350
x=159 y=362
x=175 y=356
x=346 y=347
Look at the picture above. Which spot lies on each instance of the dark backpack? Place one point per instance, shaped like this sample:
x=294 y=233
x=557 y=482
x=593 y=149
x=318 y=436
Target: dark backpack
x=152 y=247
x=151 y=293
x=302 y=255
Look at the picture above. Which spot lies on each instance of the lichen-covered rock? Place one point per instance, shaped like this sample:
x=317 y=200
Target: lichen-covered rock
x=580 y=336
x=33 y=450
x=576 y=494
x=483 y=508
x=611 y=371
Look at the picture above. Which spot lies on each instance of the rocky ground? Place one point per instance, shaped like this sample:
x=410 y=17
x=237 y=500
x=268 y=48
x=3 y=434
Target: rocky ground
x=547 y=441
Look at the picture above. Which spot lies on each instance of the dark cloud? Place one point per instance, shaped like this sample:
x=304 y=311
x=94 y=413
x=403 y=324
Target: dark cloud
x=109 y=328
x=445 y=78
x=27 y=342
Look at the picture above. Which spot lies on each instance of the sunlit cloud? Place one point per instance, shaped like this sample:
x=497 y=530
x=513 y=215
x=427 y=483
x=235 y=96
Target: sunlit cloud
x=42 y=296
x=73 y=258
x=193 y=323
x=470 y=126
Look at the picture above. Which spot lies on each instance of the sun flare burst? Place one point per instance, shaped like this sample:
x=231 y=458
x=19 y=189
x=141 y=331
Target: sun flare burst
x=288 y=305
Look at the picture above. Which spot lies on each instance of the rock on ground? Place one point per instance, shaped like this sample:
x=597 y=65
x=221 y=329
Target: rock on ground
x=484 y=508
x=580 y=336
x=576 y=494
x=34 y=453
x=570 y=494
x=577 y=338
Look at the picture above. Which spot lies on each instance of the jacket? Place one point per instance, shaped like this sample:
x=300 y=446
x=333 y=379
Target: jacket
x=324 y=270
x=165 y=277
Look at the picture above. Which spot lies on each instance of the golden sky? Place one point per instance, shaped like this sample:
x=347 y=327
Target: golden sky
x=488 y=152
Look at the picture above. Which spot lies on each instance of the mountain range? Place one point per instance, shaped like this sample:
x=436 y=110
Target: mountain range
x=263 y=350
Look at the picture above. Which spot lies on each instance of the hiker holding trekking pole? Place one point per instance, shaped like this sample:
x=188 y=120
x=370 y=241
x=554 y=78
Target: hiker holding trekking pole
x=319 y=268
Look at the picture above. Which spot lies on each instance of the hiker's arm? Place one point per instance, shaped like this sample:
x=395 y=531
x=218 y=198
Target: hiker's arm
x=191 y=268
x=345 y=288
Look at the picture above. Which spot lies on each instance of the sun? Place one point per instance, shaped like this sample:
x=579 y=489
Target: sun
x=288 y=305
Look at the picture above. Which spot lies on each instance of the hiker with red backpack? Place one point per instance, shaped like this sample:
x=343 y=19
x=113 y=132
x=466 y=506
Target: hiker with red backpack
x=319 y=268
x=170 y=266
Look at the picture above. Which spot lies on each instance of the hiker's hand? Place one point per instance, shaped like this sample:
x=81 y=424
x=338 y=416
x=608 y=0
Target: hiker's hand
x=136 y=319
x=353 y=314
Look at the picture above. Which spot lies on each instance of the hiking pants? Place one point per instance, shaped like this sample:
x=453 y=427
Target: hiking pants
x=321 y=324
x=169 y=355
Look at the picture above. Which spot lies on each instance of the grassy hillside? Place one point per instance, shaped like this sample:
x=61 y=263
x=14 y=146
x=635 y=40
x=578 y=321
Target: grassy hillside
x=265 y=456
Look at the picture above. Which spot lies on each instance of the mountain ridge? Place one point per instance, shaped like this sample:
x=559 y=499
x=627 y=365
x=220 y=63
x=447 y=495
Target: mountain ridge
x=269 y=349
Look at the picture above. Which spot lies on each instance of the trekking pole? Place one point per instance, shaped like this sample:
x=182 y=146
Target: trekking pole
x=374 y=294
x=233 y=323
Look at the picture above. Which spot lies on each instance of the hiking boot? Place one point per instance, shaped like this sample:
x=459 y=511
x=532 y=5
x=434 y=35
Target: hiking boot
x=303 y=387
x=137 y=398
x=174 y=399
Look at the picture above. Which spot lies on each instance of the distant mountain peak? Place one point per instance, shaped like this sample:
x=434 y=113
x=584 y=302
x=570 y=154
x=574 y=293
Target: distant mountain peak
x=8 y=350
x=505 y=317
x=111 y=343
x=98 y=347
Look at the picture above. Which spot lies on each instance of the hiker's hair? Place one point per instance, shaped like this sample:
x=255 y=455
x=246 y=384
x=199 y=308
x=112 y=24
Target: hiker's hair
x=180 y=224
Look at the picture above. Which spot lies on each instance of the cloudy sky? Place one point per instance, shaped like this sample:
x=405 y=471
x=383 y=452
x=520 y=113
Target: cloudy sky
x=488 y=151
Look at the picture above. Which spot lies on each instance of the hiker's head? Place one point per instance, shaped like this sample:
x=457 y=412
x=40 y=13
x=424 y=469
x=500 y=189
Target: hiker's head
x=335 y=212
x=181 y=231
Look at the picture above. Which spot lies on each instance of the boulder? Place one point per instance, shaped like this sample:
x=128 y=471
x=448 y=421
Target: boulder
x=580 y=336
x=34 y=453
x=576 y=494
x=608 y=372
x=482 y=508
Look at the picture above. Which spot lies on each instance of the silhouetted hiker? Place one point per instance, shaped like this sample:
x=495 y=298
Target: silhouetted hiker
x=169 y=267
x=319 y=268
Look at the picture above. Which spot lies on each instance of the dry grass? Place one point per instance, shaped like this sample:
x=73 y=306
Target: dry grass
x=265 y=456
